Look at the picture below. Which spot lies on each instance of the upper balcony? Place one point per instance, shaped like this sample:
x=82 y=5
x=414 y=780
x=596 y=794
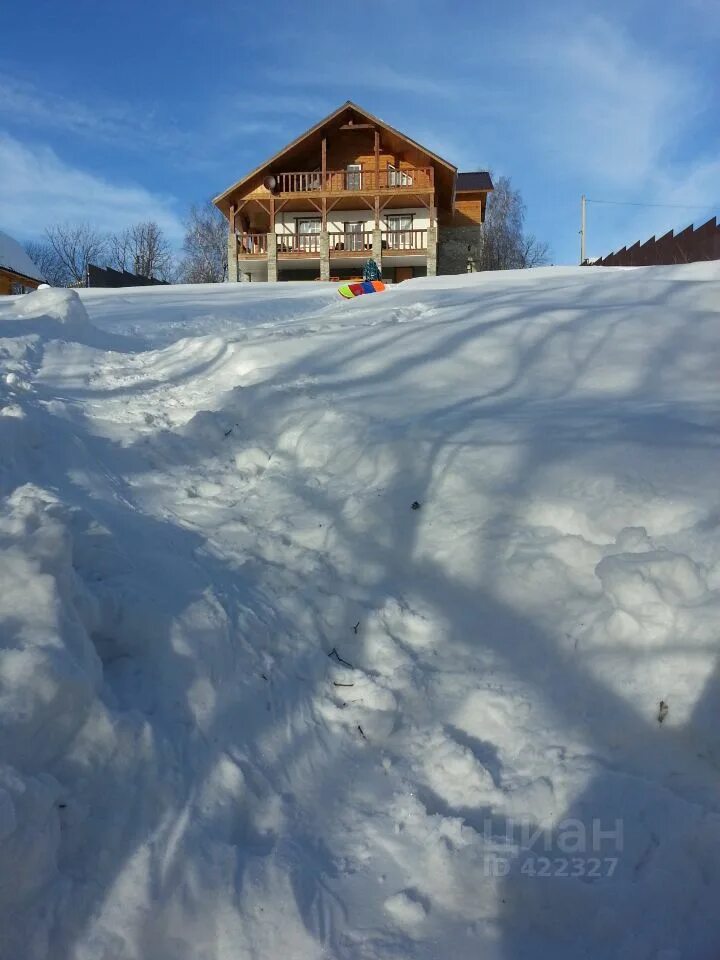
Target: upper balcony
x=389 y=180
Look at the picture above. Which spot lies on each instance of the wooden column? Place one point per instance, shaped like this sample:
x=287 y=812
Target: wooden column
x=272 y=215
x=232 y=247
x=324 y=163
x=377 y=158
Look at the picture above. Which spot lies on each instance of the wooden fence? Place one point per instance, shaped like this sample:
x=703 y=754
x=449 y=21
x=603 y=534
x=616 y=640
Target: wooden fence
x=686 y=247
x=107 y=277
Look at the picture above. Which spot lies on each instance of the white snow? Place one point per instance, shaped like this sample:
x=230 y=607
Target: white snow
x=13 y=257
x=253 y=705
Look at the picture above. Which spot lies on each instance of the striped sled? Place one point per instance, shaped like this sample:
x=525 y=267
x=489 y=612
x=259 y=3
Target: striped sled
x=350 y=290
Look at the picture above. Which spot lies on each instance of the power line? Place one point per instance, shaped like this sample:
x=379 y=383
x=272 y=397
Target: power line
x=668 y=206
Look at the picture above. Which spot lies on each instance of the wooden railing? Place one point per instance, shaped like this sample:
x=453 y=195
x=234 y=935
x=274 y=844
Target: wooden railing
x=350 y=243
x=252 y=244
x=346 y=181
x=299 y=244
x=404 y=241
x=340 y=243
x=303 y=182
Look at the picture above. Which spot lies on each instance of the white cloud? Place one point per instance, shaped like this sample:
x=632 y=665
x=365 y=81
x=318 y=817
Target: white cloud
x=132 y=126
x=597 y=112
x=602 y=106
x=37 y=188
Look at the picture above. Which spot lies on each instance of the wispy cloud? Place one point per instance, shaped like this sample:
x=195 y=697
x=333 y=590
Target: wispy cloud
x=111 y=121
x=35 y=181
x=600 y=105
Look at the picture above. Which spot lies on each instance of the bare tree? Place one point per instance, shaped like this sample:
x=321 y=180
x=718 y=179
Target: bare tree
x=142 y=249
x=43 y=255
x=533 y=252
x=74 y=247
x=205 y=246
x=504 y=245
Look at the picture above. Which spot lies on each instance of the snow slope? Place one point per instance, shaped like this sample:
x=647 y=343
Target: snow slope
x=255 y=705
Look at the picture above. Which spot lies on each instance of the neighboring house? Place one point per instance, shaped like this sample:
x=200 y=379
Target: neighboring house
x=348 y=189
x=18 y=274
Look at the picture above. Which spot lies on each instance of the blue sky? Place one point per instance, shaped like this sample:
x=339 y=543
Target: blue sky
x=117 y=112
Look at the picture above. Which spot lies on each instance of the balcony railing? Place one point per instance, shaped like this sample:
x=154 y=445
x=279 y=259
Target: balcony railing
x=348 y=181
x=298 y=244
x=252 y=245
x=343 y=244
x=340 y=244
x=404 y=241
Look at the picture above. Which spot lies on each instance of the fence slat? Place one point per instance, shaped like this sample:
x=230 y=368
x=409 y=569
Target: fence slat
x=688 y=246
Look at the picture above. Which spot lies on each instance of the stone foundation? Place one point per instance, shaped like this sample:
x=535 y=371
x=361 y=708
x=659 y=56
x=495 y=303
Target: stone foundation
x=232 y=255
x=455 y=245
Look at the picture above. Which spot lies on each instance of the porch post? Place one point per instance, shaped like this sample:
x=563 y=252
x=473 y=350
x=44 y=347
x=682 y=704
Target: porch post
x=232 y=250
x=272 y=256
x=377 y=246
x=324 y=255
x=432 y=249
x=432 y=239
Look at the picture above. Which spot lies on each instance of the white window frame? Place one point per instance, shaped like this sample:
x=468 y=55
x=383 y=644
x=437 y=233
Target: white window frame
x=356 y=169
x=354 y=239
x=403 y=239
x=398 y=177
x=307 y=245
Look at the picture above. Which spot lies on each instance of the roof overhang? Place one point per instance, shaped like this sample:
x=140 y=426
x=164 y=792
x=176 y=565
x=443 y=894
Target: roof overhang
x=223 y=199
x=20 y=276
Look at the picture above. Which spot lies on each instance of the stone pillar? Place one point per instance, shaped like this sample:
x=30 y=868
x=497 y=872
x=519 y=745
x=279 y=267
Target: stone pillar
x=272 y=257
x=432 y=250
x=377 y=247
x=324 y=255
x=232 y=267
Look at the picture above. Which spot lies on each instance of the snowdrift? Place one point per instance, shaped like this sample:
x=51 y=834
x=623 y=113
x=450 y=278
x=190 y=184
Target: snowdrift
x=361 y=630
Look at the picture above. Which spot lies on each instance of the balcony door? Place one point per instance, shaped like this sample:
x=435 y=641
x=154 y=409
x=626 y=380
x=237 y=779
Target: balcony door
x=400 y=231
x=353 y=176
x=398 y=178
x=308 y=231
x=354 y=235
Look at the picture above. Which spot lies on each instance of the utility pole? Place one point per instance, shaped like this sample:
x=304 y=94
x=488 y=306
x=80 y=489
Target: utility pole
x=582 y=229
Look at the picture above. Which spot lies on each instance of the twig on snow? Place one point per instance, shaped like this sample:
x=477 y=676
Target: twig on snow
x=362 y=734
x=334 y=653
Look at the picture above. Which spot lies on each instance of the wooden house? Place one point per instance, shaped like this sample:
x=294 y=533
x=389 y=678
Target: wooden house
x=350 y=188
x=18 y=274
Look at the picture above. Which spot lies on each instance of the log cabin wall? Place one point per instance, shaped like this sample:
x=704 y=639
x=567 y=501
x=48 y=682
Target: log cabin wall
x=8 y=279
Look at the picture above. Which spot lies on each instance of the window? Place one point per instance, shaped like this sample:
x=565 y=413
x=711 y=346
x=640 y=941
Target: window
x=398 y=178
x=353 y=176
x=354 y=238
x=307 y=234
x=400 y=231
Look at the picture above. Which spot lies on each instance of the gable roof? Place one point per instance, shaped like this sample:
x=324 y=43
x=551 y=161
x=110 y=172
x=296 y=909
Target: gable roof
x=14 y=259
x=347 y=106
x=477 y=180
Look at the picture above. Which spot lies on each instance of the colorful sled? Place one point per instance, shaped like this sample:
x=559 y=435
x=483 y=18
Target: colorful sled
x=350 y=290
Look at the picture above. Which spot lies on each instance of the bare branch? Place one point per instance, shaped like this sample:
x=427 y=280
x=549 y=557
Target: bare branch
x=74 y=247
x=205 y=246
x=504 y=244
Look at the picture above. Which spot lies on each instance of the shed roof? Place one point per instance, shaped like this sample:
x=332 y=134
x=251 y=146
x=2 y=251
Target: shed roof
x=14 y=259
x=474 y=180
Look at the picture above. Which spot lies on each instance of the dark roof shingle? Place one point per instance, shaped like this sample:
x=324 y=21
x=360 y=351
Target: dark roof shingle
x=477 y=180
